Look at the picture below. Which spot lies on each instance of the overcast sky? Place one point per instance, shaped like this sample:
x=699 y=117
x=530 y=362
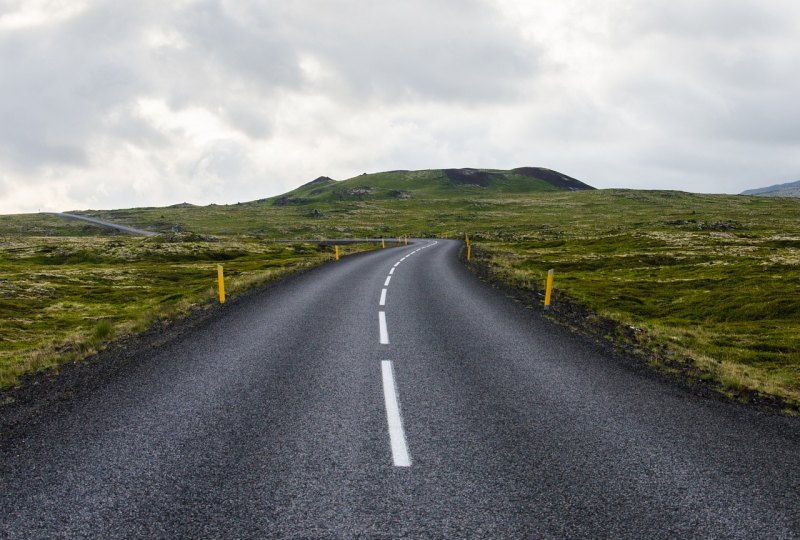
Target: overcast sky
x=109 y=104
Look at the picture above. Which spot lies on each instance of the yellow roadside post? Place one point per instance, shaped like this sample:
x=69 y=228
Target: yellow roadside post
x=383 y=243
x=221 y=281
x=548 y=294
x=336 y=249
x=406 y=239
x=469 y=247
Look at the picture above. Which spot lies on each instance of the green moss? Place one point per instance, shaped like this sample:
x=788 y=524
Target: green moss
x=710 y=277
x=63 y=297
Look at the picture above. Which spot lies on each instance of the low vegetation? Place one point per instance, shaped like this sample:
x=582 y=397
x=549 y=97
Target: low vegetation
x=64 y=297
x=708 y=281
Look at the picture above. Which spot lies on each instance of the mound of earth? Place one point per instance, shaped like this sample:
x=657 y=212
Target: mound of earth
x=555 y=179
x=473 y=177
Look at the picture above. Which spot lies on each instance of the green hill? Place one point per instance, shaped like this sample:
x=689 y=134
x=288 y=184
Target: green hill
x=702 y=286
x=432 y=183
x=390 y=203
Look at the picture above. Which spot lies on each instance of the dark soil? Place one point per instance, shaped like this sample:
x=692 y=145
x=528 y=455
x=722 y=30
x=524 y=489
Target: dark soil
x=555 y=179
x=468 y=177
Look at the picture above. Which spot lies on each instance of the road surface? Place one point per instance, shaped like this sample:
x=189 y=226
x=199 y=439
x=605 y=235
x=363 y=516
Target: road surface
x=107 y=224
x=394 y=395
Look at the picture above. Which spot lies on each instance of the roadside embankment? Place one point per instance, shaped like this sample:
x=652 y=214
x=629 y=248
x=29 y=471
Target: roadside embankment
x=711 y=324
x=65 y=298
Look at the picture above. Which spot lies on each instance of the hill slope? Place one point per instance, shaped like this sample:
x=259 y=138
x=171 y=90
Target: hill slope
x=433 y=183
x=791 y=189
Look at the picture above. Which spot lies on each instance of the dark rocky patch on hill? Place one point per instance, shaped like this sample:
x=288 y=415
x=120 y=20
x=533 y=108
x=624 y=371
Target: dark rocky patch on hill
x=554 y=178
x=468 y=176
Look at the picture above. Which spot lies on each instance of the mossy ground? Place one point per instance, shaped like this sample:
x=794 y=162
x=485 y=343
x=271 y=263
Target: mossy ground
x=63 y=297
x=713 y=278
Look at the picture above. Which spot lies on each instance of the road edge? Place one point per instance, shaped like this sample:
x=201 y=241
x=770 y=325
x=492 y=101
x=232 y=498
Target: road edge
x=55 y=387
x=625 y=344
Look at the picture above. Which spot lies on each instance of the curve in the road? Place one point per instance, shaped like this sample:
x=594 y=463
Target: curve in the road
x=107 y=224
x=282 y=419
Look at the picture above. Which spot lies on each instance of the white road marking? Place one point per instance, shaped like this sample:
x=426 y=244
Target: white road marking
x=383 y=297
x=391 y=271
x=388 y=279
x=397 y=436
x=397 y=264
x=384 y=331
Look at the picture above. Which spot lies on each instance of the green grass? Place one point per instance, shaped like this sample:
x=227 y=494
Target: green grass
x=63 y=298
x=712 y=279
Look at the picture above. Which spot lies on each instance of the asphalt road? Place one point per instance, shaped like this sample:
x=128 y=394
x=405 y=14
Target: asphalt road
x=287 y=417
x=107 y=224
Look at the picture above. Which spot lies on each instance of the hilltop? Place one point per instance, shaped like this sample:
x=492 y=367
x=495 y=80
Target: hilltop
x=390 y=203
x=791 y=189
x=432 y=183
x=676 y=278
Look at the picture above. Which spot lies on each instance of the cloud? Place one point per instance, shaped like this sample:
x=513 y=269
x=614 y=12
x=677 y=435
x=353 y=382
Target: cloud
x=117 y=104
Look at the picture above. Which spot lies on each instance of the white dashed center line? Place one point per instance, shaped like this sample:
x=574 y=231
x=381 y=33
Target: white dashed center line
x=397 y=436
x=384 y=332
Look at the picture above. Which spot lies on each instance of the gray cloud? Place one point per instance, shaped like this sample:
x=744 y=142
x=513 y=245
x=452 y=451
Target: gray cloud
x=126 y=103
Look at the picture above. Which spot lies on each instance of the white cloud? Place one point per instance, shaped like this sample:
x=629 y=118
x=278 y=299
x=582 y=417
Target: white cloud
x=113 y=104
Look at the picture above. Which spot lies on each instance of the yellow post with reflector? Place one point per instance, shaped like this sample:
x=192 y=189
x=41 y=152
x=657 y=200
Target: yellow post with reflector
x=336 y=250
x=406 y=239
x=548 y=293
x=221 y=281
x=383 y=243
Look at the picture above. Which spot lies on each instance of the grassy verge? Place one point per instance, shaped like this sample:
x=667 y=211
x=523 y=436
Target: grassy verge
x=718 y=306
x=63 y=298
x=711 y=280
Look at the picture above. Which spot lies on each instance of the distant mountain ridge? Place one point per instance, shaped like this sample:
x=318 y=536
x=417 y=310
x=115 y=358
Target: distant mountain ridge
x=431 y=184
x=790 y=189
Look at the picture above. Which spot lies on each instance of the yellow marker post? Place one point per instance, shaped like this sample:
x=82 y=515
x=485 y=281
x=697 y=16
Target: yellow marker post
x=336 y=249
x=406 y=239
x=469 y=252
x=221 y=281
x=383 y=243
x=548 y=294
x=466 y=238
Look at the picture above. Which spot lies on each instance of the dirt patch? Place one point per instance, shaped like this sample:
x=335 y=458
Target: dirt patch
x=554 y=178
x=472 y=177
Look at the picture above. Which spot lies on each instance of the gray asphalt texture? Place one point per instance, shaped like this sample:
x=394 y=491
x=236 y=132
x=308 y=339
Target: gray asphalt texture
x=269 y=422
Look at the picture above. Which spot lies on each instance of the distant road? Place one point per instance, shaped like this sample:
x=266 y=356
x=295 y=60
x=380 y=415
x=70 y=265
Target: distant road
x=394 y=395
x=122 y=228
